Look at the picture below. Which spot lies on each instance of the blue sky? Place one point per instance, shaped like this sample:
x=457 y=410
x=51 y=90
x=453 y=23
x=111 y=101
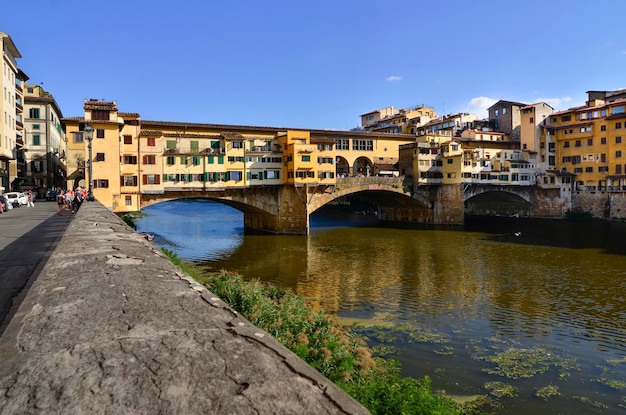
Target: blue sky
x=316 y=64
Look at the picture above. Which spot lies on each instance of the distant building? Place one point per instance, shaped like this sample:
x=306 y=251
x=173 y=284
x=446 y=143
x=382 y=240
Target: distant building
x=44 y=141
x=396 y=121
x=442 y=129
x=505 y=116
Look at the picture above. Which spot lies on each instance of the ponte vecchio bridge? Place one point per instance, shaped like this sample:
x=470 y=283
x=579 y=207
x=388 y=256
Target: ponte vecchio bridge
x=286 y=209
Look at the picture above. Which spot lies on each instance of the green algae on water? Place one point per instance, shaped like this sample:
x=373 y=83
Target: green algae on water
x=547 y=392
x=501 y=389
x=526 y=363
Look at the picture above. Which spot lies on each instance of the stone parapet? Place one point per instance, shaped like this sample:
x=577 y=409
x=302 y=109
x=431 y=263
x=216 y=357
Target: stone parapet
x=112 y=326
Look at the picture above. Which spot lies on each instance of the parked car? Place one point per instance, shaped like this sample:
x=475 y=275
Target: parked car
x=51 y=195
x=14 y=199
x=23 y=198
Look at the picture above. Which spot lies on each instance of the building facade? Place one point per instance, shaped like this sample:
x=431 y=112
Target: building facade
x=44 y=142
x=505 y=116
x=10 y=104
x=130 y=157
x=590 y=142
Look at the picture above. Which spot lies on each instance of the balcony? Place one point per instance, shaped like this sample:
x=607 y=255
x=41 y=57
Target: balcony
x=617 y=188
x=214 y=151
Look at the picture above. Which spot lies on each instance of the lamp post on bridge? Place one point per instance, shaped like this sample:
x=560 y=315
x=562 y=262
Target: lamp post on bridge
x=89 y=136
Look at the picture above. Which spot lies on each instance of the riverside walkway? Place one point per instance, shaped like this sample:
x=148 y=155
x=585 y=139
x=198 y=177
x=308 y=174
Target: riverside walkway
x=106 y=324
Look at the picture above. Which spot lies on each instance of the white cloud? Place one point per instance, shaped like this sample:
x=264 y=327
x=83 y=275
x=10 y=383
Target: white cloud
x=480 y=105
x=394 y=78
x=556 y=103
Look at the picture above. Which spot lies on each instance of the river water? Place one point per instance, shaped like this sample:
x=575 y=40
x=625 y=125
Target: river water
x=536 y=305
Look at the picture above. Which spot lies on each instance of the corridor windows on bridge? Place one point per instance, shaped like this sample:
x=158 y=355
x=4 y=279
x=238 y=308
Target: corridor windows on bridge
x=128 y=200
x=236 y=176
x=99 y=133
x=171 y=160
x=128 y=139
x=149 y=159
x=343 y=144
x=363 y=145
x=306 y=158
x=99 y=156
x=151 y=141
x=195 y=160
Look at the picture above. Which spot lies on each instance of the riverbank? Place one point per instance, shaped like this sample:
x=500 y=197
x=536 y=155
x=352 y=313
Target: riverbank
x=110 y=325
x=333 y=350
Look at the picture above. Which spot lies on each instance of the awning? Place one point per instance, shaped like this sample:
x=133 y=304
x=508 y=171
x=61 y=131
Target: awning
x=76 y=174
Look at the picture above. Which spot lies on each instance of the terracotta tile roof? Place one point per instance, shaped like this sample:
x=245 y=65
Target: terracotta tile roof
x=322 y=140
x=94 y=104
x=232 y=136
x=190 y=135
x=251 y=128
x=150 y=133
x=564 y=126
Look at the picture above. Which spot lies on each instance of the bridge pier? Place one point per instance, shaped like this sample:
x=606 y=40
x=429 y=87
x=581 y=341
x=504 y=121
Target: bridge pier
x=287 y=216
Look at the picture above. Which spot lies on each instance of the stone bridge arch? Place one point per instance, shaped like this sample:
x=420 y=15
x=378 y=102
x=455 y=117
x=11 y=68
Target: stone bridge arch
x=471 y=191
x=391 y=188
x=498 y=200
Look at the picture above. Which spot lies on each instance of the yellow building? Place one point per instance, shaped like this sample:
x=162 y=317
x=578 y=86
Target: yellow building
x=131 y=156
x=590 y=141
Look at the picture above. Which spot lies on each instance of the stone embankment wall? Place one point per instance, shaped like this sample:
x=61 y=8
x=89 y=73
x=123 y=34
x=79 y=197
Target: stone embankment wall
x=112 y=326
x=604 y=205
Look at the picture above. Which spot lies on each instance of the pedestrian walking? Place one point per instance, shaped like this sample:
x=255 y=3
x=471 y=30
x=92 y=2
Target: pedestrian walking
x=30 y=199
x=60 y=203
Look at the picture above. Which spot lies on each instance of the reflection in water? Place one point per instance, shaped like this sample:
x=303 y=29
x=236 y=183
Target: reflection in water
x=558 y=288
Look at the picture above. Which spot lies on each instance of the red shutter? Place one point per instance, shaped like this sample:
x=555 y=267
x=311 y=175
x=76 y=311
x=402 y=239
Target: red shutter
x=145 y=179
x=157 y=179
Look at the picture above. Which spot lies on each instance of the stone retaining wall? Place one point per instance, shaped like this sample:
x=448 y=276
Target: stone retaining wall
x=112 y=326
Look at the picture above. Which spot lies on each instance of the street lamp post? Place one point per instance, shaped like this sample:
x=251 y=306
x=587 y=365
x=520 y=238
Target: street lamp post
x=89 y=136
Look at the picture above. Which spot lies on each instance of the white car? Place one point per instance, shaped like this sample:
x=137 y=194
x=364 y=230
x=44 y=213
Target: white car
x=23 y=198
x=17 y=199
